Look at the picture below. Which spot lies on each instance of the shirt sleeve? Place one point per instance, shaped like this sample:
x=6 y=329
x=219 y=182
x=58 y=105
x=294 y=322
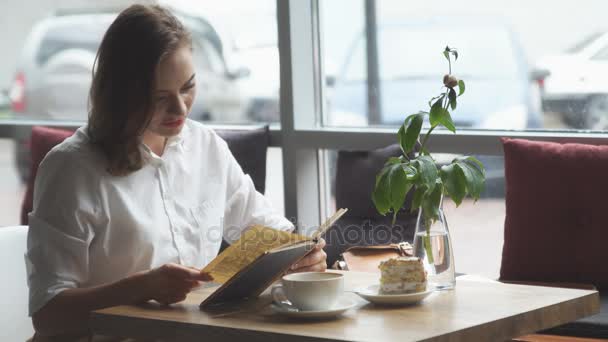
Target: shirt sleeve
x=60 y=229
x=245 y=206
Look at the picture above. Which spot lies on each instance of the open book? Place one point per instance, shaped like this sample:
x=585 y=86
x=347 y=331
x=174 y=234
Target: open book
x=247 y=267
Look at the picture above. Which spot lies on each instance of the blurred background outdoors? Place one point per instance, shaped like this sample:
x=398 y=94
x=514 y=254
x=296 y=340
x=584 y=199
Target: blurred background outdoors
x=529 y=65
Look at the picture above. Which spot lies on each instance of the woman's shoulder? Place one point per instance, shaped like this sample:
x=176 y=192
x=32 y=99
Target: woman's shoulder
x=203 y=136
x=75 y=155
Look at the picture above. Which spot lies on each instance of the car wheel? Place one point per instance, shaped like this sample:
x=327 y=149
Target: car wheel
x=596 y=111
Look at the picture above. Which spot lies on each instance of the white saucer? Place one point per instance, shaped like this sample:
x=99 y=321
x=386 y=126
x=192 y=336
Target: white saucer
x=372 y=294
x=342 y=306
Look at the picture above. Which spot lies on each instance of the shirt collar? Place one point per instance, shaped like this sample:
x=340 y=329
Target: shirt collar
x=177 y=141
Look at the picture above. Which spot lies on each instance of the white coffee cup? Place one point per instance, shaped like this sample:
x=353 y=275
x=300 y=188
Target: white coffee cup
x=310 y=291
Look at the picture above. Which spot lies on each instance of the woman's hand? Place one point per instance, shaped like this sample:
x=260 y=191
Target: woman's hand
x=314 y=261
x=171 y=283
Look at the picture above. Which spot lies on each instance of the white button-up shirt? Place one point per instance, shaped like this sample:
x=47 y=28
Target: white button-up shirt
x=89 y=228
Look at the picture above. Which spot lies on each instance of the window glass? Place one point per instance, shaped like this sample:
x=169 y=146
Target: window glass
x=476 y=228
x=48 y=52
x=45 y=70
x=522 y=71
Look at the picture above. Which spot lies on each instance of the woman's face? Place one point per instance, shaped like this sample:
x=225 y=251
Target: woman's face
x=174 y=93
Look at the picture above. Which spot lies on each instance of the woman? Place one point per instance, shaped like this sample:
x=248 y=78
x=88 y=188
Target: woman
x=131 y=203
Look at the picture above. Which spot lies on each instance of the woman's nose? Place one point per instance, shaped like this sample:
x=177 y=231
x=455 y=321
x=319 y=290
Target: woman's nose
x=179 y=106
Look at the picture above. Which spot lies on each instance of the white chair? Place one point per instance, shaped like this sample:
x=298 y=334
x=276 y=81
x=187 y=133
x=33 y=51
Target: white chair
x=15 y=325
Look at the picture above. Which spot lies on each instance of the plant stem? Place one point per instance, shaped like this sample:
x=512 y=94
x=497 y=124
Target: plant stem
x=426 y=138
x=426 y=240
x=394 y=217
x=449 y=64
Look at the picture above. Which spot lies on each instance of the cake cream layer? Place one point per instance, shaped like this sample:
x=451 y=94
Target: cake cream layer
x=402 y=287
x=405 y=272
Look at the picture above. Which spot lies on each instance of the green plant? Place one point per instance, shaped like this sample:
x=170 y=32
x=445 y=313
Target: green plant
x=463 y=176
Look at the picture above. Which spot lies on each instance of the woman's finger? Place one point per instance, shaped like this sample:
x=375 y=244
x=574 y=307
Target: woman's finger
x=321 y=244
x=204 y=276
x=314 y=257
x=320 y=267
x=184 y=272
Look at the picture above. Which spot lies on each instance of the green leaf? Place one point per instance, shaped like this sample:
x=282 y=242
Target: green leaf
x=431 y=202
x=409 y=137
x=460 y=87
x=452 y=97
x=446 y=53
x=398 y=186
x=381 y=193
x=474 y=175
x=402 y=138
x=410 y=171
x=455 y=55
x=440 y=116
x=427 y=171
x=440 y=98
x=474 y=161
x=392 y=185
x=455 y=183
x=418 y=196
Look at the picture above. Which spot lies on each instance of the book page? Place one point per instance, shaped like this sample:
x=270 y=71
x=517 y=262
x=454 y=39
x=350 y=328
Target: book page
x=253 y=243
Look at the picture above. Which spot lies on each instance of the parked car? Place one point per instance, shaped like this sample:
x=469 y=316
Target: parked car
x=257 y=51
x=4 y=101
x=54 y=73
x=577 y=87
x=502 y=89
x=503 y=93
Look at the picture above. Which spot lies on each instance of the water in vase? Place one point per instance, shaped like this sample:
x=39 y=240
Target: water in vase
x=440 y=272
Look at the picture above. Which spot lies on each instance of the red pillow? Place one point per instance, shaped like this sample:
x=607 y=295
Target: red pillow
x=42 y=141
x=556 y=226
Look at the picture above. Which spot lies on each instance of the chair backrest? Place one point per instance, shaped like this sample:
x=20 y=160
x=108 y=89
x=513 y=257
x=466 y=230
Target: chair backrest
x=556 y=224
x=248 y=147
x=362 y=225
x=15 y=325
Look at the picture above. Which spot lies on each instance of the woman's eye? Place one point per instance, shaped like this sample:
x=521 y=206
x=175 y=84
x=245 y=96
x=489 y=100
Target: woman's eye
x=161 y=99
x=189 y=86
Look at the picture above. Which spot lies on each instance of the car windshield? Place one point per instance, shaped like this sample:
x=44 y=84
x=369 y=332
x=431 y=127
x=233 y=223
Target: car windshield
x=578 y=47
x=264 y=35
x=407 y=53
x=71 y=34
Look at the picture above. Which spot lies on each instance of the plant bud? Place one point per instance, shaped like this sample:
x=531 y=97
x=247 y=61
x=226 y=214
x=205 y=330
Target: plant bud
x=450 y=81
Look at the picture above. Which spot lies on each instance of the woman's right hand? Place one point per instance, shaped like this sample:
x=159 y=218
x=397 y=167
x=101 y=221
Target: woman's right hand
x=170 y=283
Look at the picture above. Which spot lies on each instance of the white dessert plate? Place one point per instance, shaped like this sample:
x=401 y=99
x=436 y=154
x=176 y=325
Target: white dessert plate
x=372 y=294
x=342 y=306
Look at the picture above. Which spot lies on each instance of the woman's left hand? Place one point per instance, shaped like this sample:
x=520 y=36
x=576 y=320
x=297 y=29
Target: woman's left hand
x=314 y=261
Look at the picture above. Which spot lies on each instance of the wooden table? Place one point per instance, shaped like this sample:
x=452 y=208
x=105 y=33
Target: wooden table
x=476 y=310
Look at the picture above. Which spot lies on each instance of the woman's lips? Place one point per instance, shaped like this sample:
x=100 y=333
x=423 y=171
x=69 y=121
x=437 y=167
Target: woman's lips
x=173 y=123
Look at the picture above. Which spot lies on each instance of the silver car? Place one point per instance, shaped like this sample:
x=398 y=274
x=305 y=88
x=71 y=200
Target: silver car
x=54 y=73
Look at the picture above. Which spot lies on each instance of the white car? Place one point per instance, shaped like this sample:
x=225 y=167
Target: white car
x=576 y=86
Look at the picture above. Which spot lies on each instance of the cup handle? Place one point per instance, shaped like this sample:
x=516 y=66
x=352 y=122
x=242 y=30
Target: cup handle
x=280 y=299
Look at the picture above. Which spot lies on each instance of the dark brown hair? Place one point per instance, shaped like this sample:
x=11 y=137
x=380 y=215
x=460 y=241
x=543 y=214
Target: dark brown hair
x=124 y=78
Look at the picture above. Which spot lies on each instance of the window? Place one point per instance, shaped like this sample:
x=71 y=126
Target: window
x=48 y=55
x=522 y=81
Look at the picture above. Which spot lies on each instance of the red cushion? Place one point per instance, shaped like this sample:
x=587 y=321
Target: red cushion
x=42 y=141
x=556 y=226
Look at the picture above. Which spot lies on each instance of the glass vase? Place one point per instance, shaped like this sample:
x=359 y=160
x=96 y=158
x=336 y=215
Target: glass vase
x=433 y=245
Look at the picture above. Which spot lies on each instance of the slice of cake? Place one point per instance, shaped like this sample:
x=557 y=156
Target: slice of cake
x=402 y=275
